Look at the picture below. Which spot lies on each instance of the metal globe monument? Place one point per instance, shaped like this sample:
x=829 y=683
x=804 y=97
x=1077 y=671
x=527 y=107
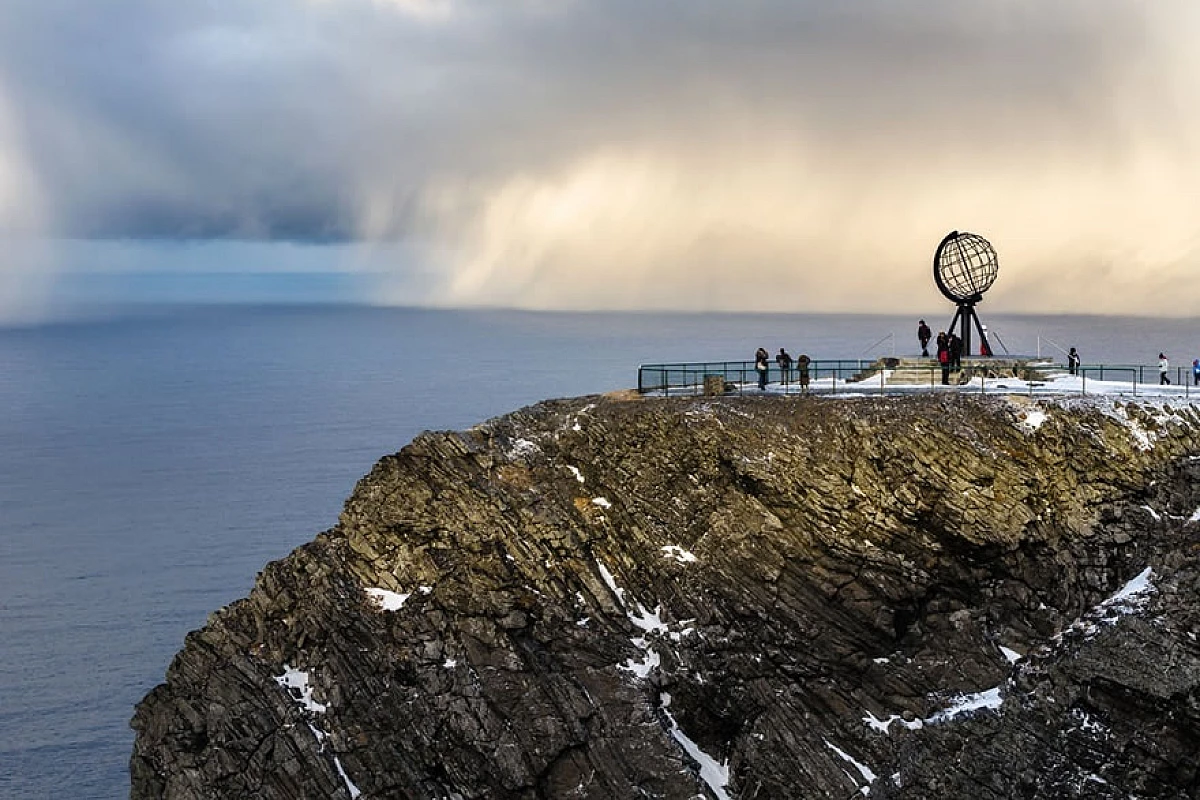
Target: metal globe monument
x=965 y=266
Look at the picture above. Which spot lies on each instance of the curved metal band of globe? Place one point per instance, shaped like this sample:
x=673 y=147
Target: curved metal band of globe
x=964 y=267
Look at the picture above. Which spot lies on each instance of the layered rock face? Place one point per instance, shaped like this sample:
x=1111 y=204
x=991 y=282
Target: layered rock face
x=923 y=597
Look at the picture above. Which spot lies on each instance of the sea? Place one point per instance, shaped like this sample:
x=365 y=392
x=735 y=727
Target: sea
x=154 y=458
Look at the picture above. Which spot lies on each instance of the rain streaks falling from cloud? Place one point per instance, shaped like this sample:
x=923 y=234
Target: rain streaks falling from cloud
x=695 y=155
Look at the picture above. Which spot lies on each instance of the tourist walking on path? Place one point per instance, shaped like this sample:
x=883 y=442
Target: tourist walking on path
x=1073 y=361
x=1163 y=366
x=802 y=371
x=784 y=360
x=760 y=364
x=923 y=336
x=1196 y=372
x=943 y=357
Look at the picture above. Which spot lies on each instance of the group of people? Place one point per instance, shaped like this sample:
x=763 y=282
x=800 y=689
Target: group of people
x=948 y=346
x=762 y=366
x=948 y=349
x=949 y=355
x=1164 y=366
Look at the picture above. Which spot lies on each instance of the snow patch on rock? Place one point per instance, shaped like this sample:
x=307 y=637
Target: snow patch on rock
x=882 y=725
x=967 y=704
x=522 y=448
x=867 y=774
x=387 y=600
x=296 y=683
x=1129 y=599
x=1012 y=656
x=678 y=553
x=642 y=667
x=1145 y=437
x=712 y=772
x=649 y=621
x=1034 y=418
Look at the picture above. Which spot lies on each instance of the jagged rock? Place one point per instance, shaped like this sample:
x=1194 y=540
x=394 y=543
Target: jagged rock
x=771 y=597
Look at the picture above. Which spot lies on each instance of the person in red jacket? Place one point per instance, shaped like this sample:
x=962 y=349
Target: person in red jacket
x=943 y=357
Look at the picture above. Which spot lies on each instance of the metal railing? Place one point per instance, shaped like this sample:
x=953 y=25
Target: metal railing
x=1138 y=373
x=871 y=376
x=680 y=378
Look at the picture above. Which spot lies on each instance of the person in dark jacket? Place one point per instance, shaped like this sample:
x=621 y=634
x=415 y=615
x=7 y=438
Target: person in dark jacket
x=761 y=365
x=1073 y=361
x=923 y=336
x=802 y=371
x=784 y=360
x=955 y=346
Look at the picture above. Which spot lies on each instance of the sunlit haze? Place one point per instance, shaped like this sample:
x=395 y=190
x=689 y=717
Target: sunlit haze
x=781 y=155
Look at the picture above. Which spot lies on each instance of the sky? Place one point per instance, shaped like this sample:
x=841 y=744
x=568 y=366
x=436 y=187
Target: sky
x=766 y=155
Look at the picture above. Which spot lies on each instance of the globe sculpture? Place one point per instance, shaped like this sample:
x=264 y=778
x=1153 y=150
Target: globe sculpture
x=964 y=267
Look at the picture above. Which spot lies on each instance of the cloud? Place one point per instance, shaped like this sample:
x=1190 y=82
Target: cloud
x=815 y=163
x=425 y=10
x=20 y=196
x=25 y=269
x=765 y=155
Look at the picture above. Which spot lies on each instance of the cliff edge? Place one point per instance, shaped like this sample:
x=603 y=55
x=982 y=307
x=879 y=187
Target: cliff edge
x=918 y=597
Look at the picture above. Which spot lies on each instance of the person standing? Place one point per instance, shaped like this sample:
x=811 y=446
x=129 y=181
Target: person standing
x=1073 y=361
x=784 y=360
x=1163 y=367
x=1196 y=372
x=955 y=346
x=802 y=371
x=760 y=364
x=943 y=357
x=923 y=336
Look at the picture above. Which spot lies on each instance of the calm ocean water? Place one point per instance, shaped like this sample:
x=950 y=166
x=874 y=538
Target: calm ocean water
x=153 y=461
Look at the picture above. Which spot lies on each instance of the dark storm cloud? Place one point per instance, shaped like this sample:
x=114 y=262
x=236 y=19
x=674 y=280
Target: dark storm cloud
x=263 y=119
x=531 y=142
x=153 y=119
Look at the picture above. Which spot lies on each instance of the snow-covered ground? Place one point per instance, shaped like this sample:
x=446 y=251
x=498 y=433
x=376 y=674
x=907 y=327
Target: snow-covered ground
x=1055 y=384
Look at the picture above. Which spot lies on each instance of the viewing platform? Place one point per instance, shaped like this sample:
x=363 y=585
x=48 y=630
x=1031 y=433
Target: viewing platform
x=904 y=374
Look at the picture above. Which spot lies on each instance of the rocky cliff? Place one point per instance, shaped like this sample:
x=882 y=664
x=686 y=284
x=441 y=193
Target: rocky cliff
x=920 y=597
